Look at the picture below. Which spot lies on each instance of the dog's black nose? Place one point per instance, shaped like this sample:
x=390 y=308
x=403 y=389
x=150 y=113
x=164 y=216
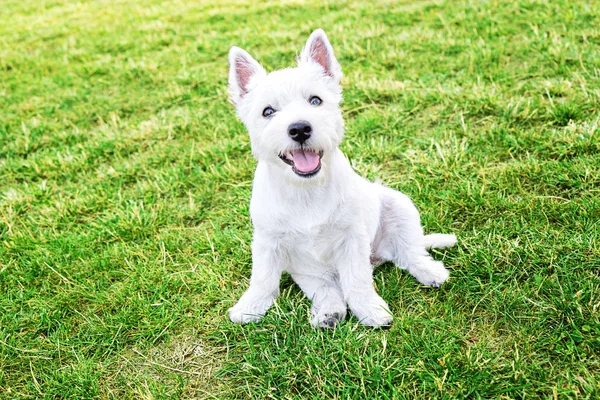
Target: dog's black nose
x=300 y=131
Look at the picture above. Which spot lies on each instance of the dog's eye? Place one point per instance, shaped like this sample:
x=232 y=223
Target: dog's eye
x=315 y=101
x=267 y=112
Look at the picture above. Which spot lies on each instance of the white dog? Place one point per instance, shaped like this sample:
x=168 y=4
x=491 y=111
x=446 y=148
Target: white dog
x=313 y=216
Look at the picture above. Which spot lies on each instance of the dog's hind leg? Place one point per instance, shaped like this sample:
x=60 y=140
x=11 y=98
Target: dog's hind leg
x=401 y=240
x=328 y=305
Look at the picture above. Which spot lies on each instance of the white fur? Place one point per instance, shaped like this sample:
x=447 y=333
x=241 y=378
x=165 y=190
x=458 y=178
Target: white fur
x=328 y=230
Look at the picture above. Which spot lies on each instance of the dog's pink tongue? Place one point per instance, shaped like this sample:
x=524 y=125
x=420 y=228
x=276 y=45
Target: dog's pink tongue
x=305 y=160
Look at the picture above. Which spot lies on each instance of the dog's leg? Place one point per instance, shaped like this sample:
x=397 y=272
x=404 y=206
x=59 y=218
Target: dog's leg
x=404 y=243
x=356 y=280
x=328 y=305
x=267 y=263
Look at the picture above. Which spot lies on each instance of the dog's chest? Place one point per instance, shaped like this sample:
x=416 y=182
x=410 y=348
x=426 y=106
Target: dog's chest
x=309 y=249
x=305 y=242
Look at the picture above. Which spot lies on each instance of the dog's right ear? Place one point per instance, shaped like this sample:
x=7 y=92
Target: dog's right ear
x=319 y=50
x=242 y=68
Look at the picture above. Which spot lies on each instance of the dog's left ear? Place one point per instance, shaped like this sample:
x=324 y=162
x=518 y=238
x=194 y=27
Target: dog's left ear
x=242 y=69
x=319 y=50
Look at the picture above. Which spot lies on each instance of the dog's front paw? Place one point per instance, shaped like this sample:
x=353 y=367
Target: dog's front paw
x=327 y=319
x=243 y=316
x=371 y=310
x=432 y=274
x=250 y=311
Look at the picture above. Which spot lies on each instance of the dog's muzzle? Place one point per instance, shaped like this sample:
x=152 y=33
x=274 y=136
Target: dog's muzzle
x=304 y=162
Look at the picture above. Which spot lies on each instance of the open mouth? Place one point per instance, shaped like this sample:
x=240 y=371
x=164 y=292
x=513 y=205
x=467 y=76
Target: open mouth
x=304 y=162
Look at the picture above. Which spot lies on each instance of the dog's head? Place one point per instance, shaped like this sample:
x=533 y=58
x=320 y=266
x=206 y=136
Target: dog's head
x=293 y=114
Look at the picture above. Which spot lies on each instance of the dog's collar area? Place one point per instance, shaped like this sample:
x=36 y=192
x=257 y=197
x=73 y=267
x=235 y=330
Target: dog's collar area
x=289 y=160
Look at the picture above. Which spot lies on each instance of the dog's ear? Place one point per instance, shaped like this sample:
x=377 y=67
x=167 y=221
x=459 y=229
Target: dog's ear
x=319 y=50
x=242 y=68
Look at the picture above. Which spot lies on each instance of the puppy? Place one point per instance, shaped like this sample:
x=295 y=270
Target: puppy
x=313 y=216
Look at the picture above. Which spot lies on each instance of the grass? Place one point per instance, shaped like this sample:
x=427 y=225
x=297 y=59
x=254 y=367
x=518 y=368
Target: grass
x=125 y=179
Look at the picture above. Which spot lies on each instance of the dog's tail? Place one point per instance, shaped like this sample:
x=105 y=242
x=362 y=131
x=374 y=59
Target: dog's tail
x=439 y=241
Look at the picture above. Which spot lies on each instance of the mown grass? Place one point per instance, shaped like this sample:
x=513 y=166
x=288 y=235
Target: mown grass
x=125 y=178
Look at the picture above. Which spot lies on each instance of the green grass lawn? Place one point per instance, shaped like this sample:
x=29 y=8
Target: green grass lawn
x=125 y=179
